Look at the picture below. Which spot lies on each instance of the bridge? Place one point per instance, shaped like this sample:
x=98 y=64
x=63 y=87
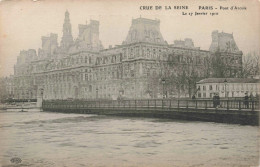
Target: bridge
x=229 y=110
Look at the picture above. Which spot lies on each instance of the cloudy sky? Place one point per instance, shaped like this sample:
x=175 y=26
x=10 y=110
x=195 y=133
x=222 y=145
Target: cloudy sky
x=22 y=23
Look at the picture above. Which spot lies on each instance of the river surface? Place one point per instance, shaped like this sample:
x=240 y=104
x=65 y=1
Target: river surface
x=56 y=139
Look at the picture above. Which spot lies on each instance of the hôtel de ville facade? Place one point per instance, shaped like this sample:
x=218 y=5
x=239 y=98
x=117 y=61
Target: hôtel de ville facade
x=143 y=66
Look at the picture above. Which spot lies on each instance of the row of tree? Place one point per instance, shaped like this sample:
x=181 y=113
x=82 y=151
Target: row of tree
x=183 y=82
x=250 y=65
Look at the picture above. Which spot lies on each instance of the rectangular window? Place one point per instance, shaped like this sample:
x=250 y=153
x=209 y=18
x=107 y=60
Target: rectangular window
x=210 y=87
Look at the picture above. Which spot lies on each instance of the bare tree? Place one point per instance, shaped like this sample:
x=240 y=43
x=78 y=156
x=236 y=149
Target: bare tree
x=184 y=80
x=157 y=72
x=153 y=85
x=219 y=68
x=180 y=74
x=250 y=65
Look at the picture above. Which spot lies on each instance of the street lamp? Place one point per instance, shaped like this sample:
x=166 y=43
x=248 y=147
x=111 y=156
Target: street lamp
x=96 y=93
x=225 y=82
x=41 y=92
x=27 y=95
x=163 y=82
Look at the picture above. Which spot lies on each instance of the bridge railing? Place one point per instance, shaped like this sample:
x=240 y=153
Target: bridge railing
x=153 y=104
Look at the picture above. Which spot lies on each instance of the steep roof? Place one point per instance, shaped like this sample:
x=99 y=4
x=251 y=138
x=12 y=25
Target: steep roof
x=144 y=30
x=223 y=42
x=229 y=80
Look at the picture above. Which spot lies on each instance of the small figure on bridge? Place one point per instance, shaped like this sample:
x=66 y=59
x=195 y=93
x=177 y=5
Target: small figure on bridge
x=216 y=100
x=246 y=102
x=193 y=97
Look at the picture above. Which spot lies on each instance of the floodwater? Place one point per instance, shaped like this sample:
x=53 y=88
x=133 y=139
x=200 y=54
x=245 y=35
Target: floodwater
x=56 y=139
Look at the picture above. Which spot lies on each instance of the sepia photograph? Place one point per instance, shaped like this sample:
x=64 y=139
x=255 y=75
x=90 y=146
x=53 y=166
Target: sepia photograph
x=140 y=83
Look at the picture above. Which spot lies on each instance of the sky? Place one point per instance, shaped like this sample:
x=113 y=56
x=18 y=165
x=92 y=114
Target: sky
x=22 y=23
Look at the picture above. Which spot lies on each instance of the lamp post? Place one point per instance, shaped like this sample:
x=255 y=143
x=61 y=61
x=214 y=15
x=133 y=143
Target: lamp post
x=41 y=92
x=27 y=95
x=225 y=82
x=96 y=93
x=121 y=91
x=163 y=83
x=30 y=95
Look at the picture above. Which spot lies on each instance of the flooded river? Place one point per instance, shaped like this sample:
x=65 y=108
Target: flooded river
x=56 y=139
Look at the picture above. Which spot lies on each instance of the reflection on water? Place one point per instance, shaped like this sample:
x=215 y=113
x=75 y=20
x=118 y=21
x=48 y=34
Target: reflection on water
x=55 y=139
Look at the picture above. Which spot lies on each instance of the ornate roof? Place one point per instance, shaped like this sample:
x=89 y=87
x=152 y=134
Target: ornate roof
x=223 y=42
x=144 y=30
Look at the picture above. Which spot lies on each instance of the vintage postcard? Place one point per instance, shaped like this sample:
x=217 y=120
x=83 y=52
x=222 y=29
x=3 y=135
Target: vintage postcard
x=129 y=83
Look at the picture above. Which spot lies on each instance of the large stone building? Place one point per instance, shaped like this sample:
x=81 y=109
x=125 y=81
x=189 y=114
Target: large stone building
x=6 y=88
x=144 y=66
